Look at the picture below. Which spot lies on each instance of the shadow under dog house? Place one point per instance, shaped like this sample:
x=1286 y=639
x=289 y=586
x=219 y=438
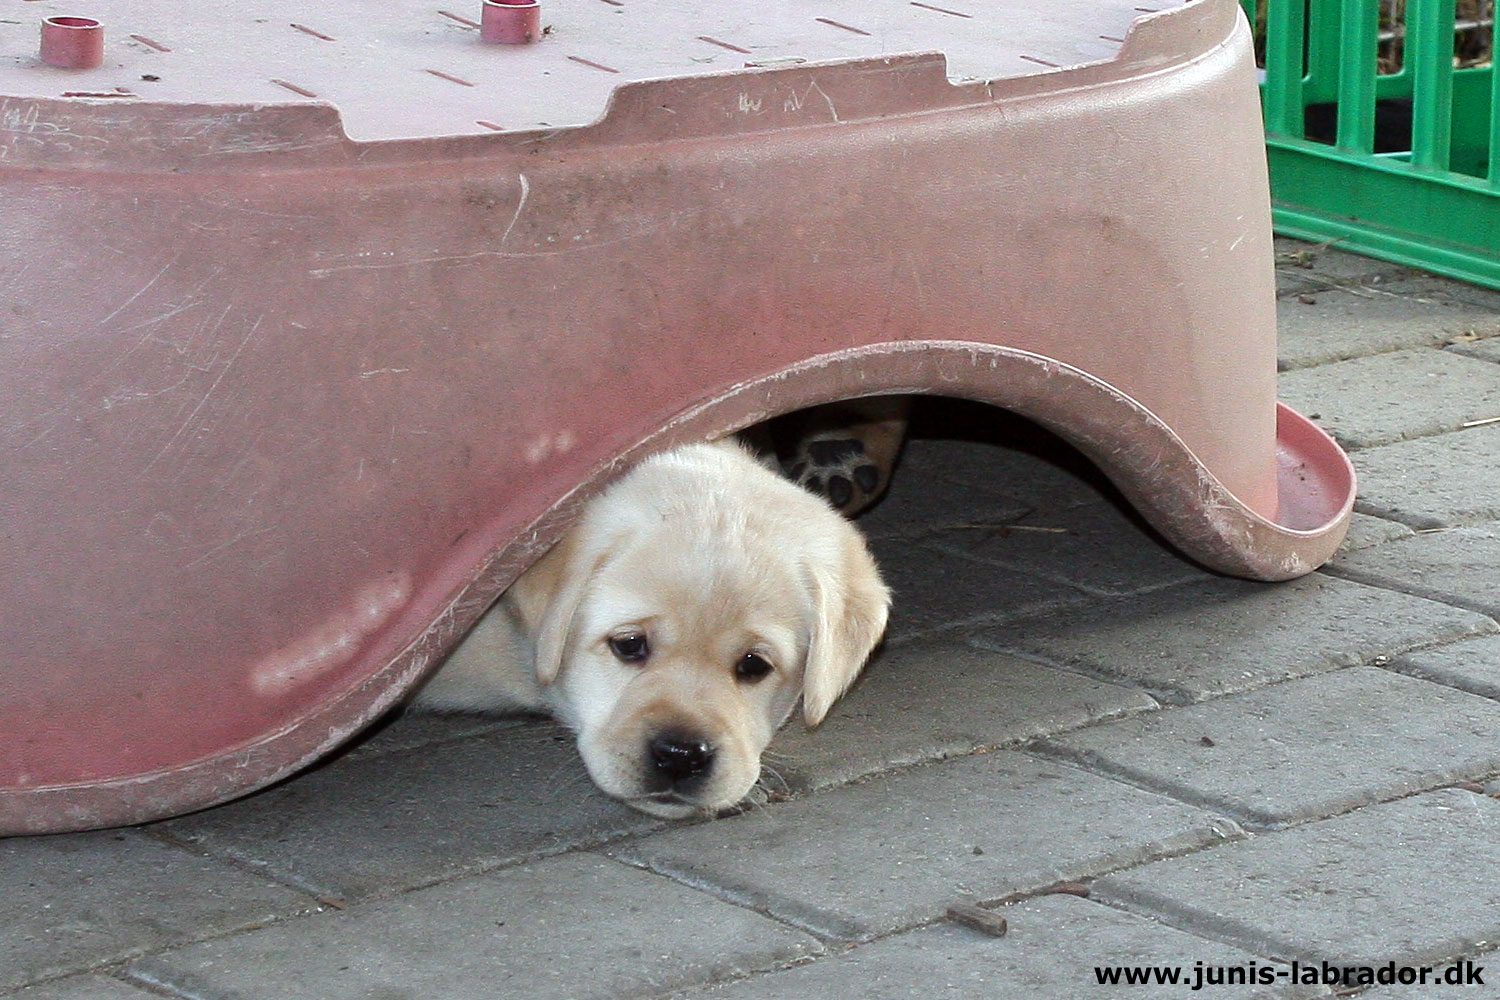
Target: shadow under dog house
x=318 y=323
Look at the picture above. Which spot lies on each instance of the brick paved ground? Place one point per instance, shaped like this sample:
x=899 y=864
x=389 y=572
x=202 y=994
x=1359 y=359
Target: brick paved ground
x=1238 y=774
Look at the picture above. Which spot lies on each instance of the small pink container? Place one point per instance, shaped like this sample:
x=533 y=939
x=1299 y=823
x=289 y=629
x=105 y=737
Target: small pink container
x=508 y=22
x=72 y=42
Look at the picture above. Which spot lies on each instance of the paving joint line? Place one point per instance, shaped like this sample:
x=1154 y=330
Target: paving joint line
x=1374 y=580
x=151 y=987
x=1166 y=696
x=1176 y=915
x=1419 y=523
x=984 y=620
x=744 y=897
x=358 y=749
x=1086 y=761
x=328 y=900
x=1059 y=578
x=262 y=873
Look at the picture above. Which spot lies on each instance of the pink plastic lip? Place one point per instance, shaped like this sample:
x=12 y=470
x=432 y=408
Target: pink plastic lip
x=507 y=22
x=72 y=42
x=1317 y=482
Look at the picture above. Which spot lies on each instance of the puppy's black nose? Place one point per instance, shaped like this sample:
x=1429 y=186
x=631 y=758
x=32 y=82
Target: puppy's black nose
x=680 y=757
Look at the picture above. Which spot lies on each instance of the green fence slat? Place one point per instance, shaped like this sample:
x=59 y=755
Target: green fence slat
x=1494 y=147
x=1437 y=207
x=1429 y=55
x=1445 y=223
x=1358 y=41
x=1286 y=26
x=1320 y=82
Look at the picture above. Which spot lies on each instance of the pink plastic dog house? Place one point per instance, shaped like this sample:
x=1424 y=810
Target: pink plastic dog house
x=319 y=321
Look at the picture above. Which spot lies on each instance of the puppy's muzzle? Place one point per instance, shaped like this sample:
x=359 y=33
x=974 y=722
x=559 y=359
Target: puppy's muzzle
x=678 y=761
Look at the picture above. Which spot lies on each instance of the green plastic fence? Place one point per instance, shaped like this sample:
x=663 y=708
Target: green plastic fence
x=1429 y=197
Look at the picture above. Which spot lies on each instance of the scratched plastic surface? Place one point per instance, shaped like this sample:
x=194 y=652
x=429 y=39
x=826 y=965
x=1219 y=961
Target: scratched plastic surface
x=282 y=411
x=411 y=68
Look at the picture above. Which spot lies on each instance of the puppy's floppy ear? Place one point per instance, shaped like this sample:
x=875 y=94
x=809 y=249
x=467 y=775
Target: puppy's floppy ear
x=548 y=595
x=850 y=606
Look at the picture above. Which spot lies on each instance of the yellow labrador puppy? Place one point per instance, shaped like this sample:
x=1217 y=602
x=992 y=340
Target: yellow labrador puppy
x=675 y=626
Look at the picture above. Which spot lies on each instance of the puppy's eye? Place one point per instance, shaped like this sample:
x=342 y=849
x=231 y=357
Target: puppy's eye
x=631 y=647
x=751 y=668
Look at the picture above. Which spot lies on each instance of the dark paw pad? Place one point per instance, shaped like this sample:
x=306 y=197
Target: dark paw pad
x=840 y=490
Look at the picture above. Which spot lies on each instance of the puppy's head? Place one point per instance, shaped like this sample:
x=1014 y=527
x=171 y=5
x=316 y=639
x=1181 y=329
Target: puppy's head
x=680 y=620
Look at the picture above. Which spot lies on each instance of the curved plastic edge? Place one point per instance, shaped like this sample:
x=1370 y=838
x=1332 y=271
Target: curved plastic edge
x=1151 y=465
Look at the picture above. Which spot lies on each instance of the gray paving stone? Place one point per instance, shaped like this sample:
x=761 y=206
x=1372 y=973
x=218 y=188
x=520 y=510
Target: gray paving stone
x=1473 y=665
x=1327 y=263
x=867 y=859
x=997 y=454
x=1435 y=482
x=1463 y=291
x=1203 y=640
x=1049 y=952
x=80 y=988
x=1304 y=266
x=1391 y=397
x=573 y=927
x=1090 y=544
x=376 y=825
x=931 y=700
x=1437 y=989
x=922 y=500
x=1020 y=497
x=1354 y=318
x=1408 y=881
x=1460 y=566
x=1487 y=349
x=938 y=590
x=1301 y=750
x=78 y=901
x=1365 y=531
x=409 y=730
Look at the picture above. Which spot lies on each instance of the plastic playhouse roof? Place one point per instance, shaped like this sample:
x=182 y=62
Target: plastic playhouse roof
x=406 y=69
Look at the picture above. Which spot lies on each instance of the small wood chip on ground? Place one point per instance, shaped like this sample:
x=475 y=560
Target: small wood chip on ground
x=975 y=916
